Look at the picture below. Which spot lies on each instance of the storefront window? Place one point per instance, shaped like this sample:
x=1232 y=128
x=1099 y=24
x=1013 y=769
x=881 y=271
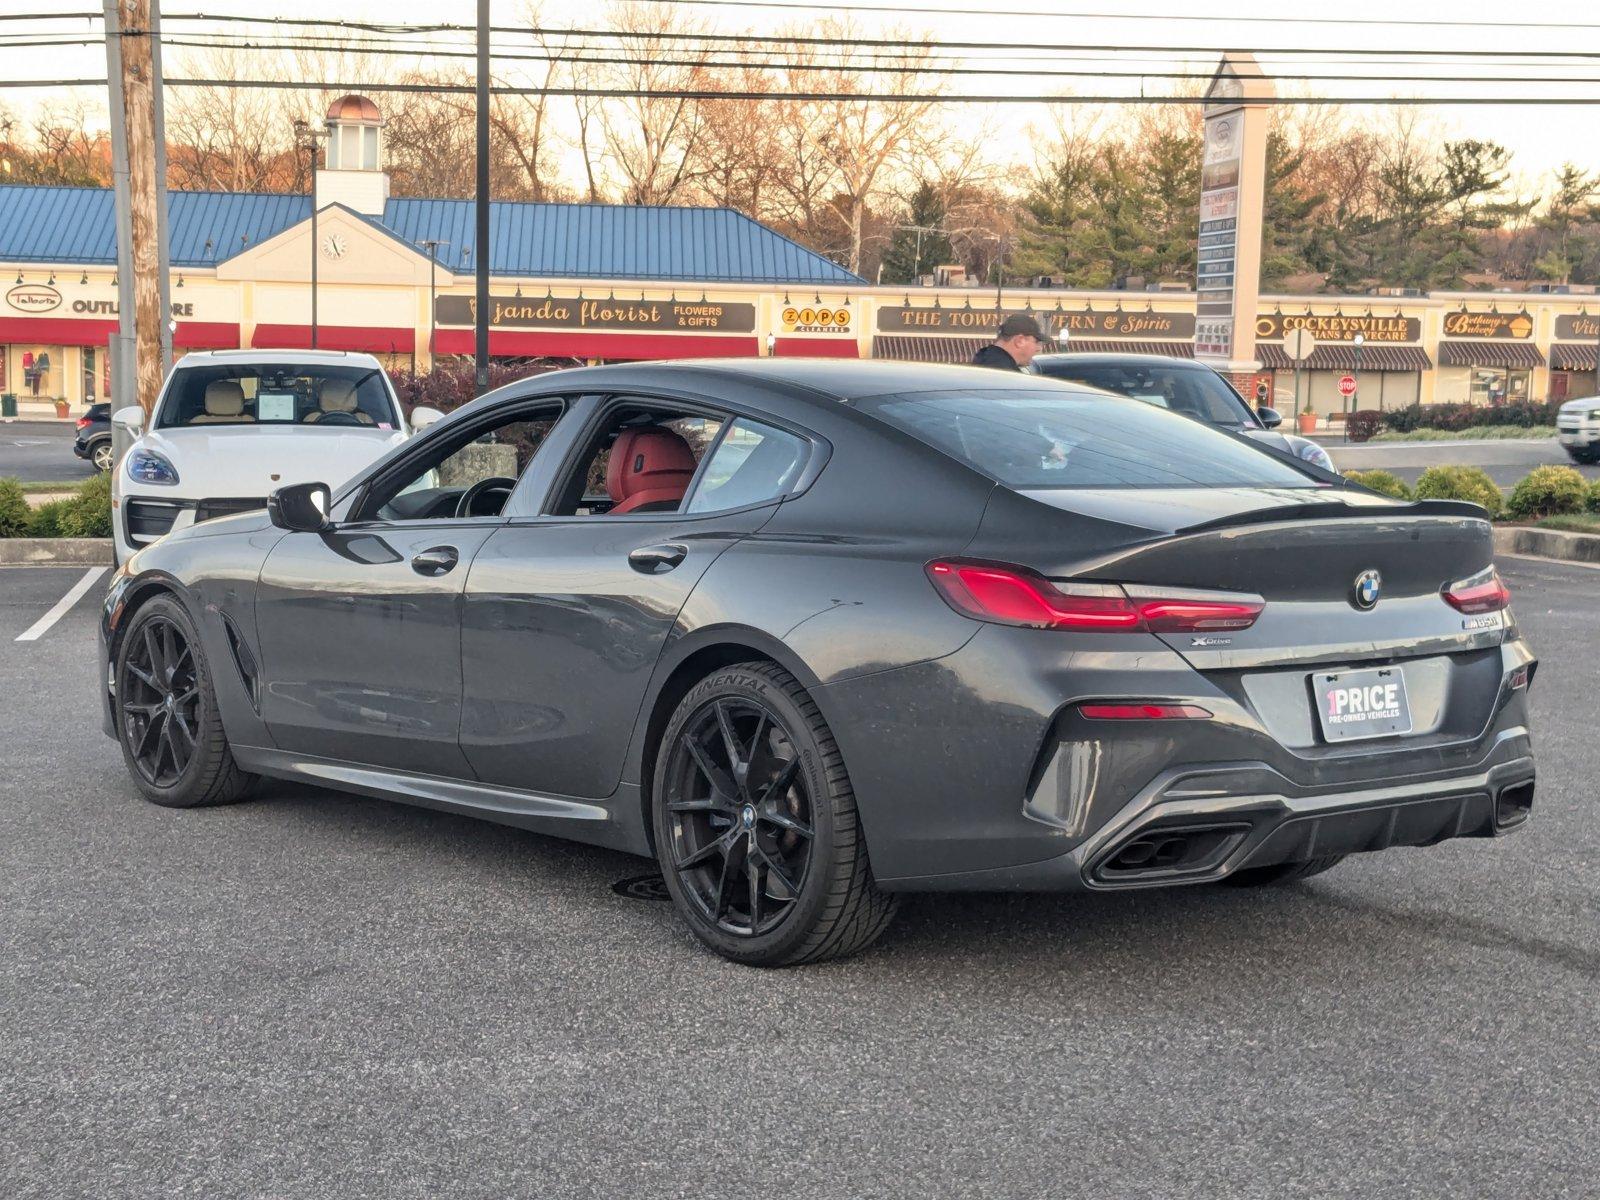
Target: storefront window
x=36 y=376
x=90 y=376
x=1497 y=385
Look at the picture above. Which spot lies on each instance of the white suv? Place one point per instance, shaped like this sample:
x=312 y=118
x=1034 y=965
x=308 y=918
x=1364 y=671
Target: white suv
x=1578 y=429
x=232 y=426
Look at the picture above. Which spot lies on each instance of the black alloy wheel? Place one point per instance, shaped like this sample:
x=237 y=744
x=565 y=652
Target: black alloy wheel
x=166 y=713
x=159 y=697
x=740 y=816
x=756 y=827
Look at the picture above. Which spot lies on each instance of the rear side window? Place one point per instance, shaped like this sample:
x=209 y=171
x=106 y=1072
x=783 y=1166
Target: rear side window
x=1193 y=391
x=1065 y=439
x=751 y=463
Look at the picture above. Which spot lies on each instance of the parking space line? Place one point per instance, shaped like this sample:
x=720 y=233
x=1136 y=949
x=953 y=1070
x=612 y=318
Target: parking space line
x=62 y=606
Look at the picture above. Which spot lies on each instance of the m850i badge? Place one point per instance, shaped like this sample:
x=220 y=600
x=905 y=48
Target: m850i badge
x=1487 y=621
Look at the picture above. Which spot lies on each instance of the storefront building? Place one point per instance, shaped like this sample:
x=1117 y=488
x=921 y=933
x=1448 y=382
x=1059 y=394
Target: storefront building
x=597 y=283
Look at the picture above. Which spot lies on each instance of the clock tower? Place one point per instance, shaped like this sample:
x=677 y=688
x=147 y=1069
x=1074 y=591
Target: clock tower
x=352 y=173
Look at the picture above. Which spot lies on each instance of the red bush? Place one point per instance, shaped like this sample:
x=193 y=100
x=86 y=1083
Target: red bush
x=451 y=383
x=1363 y=423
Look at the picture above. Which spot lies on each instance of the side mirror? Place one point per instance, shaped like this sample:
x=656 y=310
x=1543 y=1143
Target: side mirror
x=422 y=416
x=1270 y=417
x=301 y=507
x=130 y=418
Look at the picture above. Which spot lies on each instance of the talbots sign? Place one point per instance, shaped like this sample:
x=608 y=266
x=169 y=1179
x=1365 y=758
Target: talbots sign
x=566 y=312
x=33 y=298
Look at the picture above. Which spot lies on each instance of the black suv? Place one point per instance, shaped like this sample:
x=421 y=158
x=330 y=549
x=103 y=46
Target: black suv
x=94 y=436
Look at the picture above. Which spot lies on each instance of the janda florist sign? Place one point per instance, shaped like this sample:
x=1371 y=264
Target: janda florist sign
x=581 y=312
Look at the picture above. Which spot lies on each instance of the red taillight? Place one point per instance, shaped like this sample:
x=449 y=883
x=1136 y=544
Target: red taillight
x=1011 y=596
x=83 y=422
x=1193 y=616
x=1144 y=712
x=1016 y=596
x=1482 y=593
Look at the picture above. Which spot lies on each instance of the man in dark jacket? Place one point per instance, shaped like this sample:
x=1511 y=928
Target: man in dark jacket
x=1017 y=340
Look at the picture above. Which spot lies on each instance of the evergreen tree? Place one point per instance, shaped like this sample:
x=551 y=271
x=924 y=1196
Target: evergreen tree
x=910 y=253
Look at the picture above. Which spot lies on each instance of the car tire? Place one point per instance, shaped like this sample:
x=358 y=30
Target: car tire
x=102 y=456
x=749 y=792
x=1282 y=872
x=175 y=749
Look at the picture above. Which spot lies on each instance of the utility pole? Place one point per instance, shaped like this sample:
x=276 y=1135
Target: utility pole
x=481 y=308
x=139 y=173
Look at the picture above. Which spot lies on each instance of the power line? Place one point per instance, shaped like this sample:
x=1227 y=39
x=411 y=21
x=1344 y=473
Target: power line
x=887 y=43
x=1037 y=14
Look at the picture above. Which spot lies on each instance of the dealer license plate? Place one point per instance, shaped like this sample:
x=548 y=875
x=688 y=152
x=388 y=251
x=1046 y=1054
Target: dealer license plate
x=1362 y=704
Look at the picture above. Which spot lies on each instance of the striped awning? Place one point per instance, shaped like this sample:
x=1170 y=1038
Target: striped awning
x=1572 y=356
x=1489 y=354
x=1343 y=358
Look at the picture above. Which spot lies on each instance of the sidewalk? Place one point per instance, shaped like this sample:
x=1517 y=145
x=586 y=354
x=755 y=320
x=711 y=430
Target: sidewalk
x=34 y=410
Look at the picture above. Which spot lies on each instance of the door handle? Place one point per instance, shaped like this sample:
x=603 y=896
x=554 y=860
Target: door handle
x=653 y=560
x=436 y=560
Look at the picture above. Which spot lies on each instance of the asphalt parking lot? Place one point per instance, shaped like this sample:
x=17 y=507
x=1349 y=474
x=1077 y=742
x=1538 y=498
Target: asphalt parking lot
x=41 y=452
x=1505 y=461
x=311 y=994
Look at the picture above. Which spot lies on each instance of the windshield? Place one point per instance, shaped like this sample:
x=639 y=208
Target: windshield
x=1065 y=439
x=316 y=395
x=1192 y=391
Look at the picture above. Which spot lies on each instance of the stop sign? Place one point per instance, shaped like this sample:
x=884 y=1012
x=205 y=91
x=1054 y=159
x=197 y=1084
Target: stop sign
x=1347 y=386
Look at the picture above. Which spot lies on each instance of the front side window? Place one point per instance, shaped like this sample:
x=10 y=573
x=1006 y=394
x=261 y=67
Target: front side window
x=315 y=395
x=470 y=474
x=752 y=463
x=1064 y=439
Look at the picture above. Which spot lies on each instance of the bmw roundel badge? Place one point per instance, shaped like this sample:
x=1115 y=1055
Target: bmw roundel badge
x=1369 y=586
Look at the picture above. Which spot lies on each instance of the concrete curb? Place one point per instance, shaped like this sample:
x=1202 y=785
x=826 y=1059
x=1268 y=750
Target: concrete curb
x=44 y=551
x=1548 y=543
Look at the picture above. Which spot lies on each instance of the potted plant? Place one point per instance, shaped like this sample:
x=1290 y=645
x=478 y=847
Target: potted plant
x=63 y=409
x=1308 y=422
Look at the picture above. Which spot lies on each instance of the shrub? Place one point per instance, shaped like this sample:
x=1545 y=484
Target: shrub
x=1460 y=483
x=1591 y=501
x=1363 y=423
x=1547 y=491
x=14 y=511
x=1383 y=482
x=88 y=514
x=1453 y=418
x=46 y=521
x=451 y=384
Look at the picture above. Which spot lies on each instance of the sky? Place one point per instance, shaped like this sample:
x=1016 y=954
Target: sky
x=1179 y=35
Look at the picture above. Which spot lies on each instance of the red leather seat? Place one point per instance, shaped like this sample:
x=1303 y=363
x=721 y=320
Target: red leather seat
x=649 y=467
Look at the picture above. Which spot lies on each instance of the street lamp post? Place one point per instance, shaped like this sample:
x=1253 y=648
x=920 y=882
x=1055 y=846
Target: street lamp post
x=309 y=137
x=433 y=245
x=1360 y=340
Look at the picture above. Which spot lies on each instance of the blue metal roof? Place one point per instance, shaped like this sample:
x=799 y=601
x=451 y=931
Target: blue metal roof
x=581 y=241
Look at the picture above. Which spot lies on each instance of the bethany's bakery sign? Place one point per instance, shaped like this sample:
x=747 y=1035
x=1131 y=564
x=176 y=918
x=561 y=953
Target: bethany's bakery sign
x=1463 y=324
x=1271 y=327
x=567 y=312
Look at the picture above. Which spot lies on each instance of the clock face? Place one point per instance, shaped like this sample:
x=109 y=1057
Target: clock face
x=333 y=246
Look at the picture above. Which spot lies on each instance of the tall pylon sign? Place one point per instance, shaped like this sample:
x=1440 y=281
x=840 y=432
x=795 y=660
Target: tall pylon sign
x=1232 y=185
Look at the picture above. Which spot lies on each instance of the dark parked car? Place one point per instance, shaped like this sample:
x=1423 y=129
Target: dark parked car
x=815 y=634
x=94 y=436
x=1184 y=386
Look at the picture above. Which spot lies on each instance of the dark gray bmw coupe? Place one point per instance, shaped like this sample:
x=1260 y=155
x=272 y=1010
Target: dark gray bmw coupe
x=813 y=634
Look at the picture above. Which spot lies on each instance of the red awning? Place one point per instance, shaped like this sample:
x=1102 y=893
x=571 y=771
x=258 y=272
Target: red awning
x=369 y=340
x=530 y=343
x=56 y=331
x=206 y=335
x=1523 y=355
x=799 y=347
